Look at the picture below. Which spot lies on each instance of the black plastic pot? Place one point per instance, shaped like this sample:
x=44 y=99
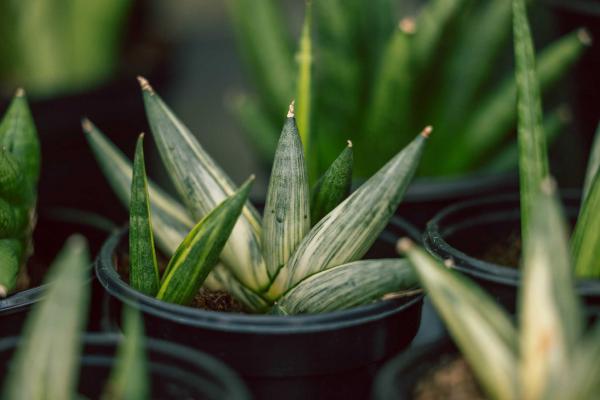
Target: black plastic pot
x=176 y=372
x=425 y=197
x=53 y=228
x=397 y=379
x=325 y=356
x=463 y=230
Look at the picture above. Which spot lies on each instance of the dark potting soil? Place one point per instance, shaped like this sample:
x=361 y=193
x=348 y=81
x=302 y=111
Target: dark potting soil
x=450 y=379
x=213 y=300
x=505 y=251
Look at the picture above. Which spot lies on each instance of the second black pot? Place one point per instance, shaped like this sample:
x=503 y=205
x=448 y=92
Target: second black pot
x=324 y=356
x=462 y=231
x=176 y=372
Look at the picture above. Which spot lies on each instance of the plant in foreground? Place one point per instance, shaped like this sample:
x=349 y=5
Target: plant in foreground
x=550 y=356
x=533 y=157
x=362 y=74
x=280 y=262
x=45 y=366
x=19 y=172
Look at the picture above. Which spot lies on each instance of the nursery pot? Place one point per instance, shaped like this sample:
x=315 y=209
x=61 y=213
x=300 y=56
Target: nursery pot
x=397 y=379
x=465 y=231
x=53 y=227
x=330 y=355
x=176 y=372
x=427 y=196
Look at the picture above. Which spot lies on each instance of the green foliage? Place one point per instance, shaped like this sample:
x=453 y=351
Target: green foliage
x=550 y=356
x=56 y=46
x=261 y=259
x=19 y=172
x=375 y=82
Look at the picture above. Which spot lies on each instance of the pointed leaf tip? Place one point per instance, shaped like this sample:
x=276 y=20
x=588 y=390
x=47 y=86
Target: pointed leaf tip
x=145 y=85
x=349 y=142
x=427 y=131
x=87 y=125
x=407 y=25
x=585 y=37
x=290 y=113
x=548 y=185
x=20 y=92
x=404 y=245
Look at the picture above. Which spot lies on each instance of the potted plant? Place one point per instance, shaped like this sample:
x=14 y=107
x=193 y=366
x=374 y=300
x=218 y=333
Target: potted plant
x=553 y=352
x=303 y=257
x=448 y=233
x=364 y=75
x=69 y=364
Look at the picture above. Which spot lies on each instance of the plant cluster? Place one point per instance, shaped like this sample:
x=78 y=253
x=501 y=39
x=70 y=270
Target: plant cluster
x=302 y=256
x=19 y=173
x=361 y=74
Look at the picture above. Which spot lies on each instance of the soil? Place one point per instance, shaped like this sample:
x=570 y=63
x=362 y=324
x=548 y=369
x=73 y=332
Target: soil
x=450 y=379
x=505 y=251
x=213 y=300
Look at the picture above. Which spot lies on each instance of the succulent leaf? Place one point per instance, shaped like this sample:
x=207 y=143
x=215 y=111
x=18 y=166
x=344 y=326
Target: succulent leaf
x=333 y=187
x=480 y=328
x=143 y=267
x=585 y=243
x=347 y=232
x=348 y=285
x=202 y=186
x=304 y=59
x=47 y=362
x=286 y=218
x=199 y=252
x=549 y=315
x=593 y=165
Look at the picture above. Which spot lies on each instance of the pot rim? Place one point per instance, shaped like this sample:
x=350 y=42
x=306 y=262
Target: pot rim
x=435 y=242
x=191 y=357
x=233 y=322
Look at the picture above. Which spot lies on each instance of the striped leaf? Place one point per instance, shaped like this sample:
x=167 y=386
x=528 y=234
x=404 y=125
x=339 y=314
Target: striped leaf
x=585 y=243
x=593 y=165
x=14 y=186
x=143 y=267
x=333 y=187
x=581 y=380
x=494 y=117
x=46 y=364
x=287 y=208
x=170 y=220
x=480 y=328
x=203 y=185
x=533 y=157
x=18 y=136
x=347 y=286
x=346 y=233
x=129 y=378
x=304 y=58
x=199 y=252
x=549 y=315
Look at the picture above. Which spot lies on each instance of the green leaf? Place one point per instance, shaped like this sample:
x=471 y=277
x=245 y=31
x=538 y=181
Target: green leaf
x=348 y=285
x=143 y=267
x=18 y=136
x=170 y=220
x=287 y=209
x=202 y=185
x=550 y=319
x=10 y=260
x=593 y=165
x=585 y=243
x=533 y=157
x=13 y=184
x=304 y=58
x=199 y=252
x=333 y=187
x=264 y=42
x=347 y=232
x=220 y=277
x=480 y=328
x=496 y=114
x=129 y=378
x=46 y=364
x=582 y=379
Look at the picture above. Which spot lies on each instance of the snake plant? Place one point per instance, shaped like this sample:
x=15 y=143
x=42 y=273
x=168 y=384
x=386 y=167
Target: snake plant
x=549 y=355
x=288 y=261
x=46 y=363
x=533 y=157
x=19 y=172
x=358 y=73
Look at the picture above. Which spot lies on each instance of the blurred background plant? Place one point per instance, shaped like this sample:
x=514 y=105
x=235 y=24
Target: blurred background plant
x=60 y=46
x=376 y=80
